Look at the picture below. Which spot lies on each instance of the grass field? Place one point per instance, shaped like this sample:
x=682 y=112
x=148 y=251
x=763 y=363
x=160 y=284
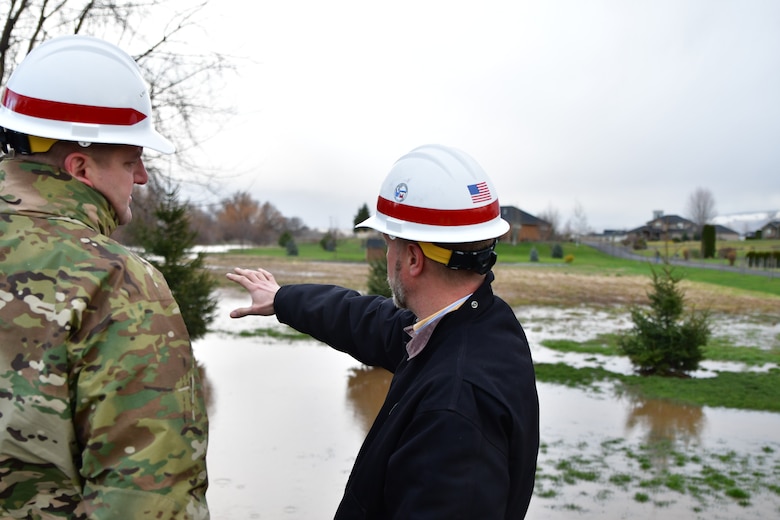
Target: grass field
x=586 y=261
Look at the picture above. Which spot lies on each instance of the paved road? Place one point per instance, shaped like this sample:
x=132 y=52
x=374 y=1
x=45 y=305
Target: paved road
x=623 y=252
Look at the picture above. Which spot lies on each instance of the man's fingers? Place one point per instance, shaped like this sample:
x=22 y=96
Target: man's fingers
x=239 y=313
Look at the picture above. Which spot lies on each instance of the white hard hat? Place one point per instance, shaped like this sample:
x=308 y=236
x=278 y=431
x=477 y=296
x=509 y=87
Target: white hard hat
x=438 y=194
x=80 y=88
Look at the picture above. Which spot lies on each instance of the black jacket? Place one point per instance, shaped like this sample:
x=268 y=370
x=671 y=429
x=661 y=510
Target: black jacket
x=458 y=434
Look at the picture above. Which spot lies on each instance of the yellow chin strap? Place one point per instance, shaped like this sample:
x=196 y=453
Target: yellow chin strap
x=40 y=144
x=436 y=253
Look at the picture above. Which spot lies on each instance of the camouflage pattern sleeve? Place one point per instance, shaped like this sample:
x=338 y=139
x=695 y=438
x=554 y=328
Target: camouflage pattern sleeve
x=139 y=408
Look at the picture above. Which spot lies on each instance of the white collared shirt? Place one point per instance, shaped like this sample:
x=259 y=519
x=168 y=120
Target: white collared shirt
x=422 y=330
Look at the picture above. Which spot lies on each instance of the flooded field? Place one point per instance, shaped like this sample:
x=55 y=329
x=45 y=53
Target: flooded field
x=288 y=417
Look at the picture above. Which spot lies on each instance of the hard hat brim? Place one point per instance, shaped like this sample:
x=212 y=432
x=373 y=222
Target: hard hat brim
x=494 y=228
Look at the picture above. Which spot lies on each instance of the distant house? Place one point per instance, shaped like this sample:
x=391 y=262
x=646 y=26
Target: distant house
x=771 y=230
x=524 y=226
x=724 y=233
x=674 y=227
x=665 y=227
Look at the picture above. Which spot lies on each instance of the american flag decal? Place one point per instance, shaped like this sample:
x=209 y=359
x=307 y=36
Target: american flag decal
x=479 y=192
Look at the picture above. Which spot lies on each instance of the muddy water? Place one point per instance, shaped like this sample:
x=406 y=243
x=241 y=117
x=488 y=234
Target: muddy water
x=288 y=418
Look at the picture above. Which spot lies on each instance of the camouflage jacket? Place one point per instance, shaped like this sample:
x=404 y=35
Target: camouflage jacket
x=101 y=406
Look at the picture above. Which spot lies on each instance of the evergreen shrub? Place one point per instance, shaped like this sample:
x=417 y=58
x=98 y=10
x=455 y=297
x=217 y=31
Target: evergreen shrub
x=665 y=340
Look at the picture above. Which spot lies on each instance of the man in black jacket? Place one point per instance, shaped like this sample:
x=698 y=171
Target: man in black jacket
x=458 y=434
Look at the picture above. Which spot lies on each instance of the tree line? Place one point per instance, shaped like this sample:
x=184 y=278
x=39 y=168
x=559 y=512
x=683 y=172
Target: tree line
x=236 y=219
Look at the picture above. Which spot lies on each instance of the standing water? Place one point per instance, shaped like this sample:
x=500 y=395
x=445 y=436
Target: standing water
x=288 y=418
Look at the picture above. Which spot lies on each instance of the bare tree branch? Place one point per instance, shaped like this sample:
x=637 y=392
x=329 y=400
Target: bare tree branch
x=701 y=206
x=181 y=82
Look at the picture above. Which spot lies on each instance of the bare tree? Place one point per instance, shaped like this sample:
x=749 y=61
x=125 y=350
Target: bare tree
x=701 y=207
x=269 y=225
x=238 y=216
x=553 y=217
x=181 y=81
x=579 y=222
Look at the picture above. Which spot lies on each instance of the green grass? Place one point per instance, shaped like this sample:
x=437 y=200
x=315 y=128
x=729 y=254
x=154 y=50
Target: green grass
x=588 y=260
x=742 y=390
x=351 y=250
x=718 y=349
x=739 y=390
x=602 y=344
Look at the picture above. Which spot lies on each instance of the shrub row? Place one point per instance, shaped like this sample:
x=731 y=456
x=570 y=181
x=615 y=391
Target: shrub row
x=763 y=259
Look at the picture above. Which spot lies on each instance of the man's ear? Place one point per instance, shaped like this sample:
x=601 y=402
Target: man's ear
x=415 y=259
x=77 y=165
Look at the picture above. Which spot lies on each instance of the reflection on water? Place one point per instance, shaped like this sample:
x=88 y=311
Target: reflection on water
x=663 y=424
x=664 y=421
x=288 y=419
x=366 y=391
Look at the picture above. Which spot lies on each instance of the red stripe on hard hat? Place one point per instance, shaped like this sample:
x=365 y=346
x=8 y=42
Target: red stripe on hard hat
x=438 y=217
x=70 y=112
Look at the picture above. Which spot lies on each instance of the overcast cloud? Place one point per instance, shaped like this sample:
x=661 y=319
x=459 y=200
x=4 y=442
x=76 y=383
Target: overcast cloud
x=623 y=107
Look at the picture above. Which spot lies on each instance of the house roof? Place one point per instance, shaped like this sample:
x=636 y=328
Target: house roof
x=671 y=220
x=515 y=215
x=724 y=229
x=638 y=229
x=718 y=228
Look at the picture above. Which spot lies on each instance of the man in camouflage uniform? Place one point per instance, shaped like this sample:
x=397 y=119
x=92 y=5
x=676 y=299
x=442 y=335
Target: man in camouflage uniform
x=101 y=406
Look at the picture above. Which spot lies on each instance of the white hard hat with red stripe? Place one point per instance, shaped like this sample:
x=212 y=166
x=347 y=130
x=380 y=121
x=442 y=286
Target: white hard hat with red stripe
x=80 y=88
x=438 y=194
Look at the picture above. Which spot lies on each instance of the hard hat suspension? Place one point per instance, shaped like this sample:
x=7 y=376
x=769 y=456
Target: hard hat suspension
x=478 y=261
x=22 y=143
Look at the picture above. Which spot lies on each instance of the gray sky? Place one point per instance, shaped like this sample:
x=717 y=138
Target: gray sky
x=620 y=107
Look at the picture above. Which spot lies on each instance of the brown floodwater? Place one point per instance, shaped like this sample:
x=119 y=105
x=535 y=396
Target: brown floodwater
x=288 y=418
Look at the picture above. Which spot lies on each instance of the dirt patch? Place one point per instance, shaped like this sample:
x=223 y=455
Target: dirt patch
x=518 y=285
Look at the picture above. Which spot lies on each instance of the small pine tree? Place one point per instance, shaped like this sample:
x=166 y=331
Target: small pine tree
x=291 y=247
x=534 y=255
x=377 y=278
x=663 y=340
x=171 y=240
x=328 y=242
x=361 y=215
x=285 y=238
x=557 y=250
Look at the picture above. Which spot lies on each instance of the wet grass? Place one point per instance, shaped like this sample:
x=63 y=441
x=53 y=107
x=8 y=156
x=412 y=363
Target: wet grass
x=718 y=349
x=747 y=390
x=285 y=333
x=602 y=344
x=739 y=390
x=657 y=473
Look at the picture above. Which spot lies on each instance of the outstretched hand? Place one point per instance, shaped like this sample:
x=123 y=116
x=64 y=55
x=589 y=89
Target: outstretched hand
x=261 y=286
